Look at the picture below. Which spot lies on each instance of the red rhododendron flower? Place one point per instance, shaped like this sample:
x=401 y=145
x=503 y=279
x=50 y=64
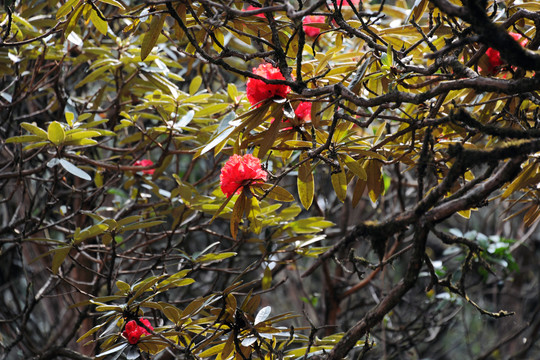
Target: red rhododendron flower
x=145 y=162
x=251 y=7
x=303 y=111
x=345 y=3
x=494 y=56
x=257 y=90
x=310 y=30
x=132 y=331
x=240 y=171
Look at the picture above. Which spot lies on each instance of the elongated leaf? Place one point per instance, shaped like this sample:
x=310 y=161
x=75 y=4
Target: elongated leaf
x=354 y=166
x=113 y=350
x=78 y=135
x=212 y=351
x=218 y=139
x=65 y=9
x=339 y=182
x=358 y=191
x=277 y=193
x=99 y=23
x=23 y=138
x=35 y=130
x=151 y=37
x=237 y=214
x=269 y=137
x=116 y=3
x=215 y=257
x=74 y=17
x=374 y=181
x=305 y=184
x=59 y=256
x=141 y=225
x=74 y=170
x=267 y=278
x=93 y=76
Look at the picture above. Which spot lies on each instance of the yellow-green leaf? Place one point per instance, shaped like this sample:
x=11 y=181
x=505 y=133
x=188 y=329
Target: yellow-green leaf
x=65 y=9
x=305 y=183
x=151 y=37
x=73 y=19
x=55 y=133
x=267 y=278
x=59 y=256
x=35 y=130
x=123 y=286
x=23 y=138
x=339 y=182
x=101 y=25
x=277 y=193
x=195 y=84
x=116 y=3
x=354 y=166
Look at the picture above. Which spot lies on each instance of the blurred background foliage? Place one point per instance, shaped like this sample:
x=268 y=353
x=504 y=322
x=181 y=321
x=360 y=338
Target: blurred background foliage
x=402 y=211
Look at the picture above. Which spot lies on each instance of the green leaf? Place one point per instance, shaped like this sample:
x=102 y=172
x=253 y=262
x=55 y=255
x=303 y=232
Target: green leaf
x=74 y=17
x=116 y=3
x=78 y=135
x=23 y=138
x=266 y=281
x=141 y=225
x=339 y=182
x=101 y=25
x=55 y=133
x=123 y=286
x=214 y=257
x=277 y=193
x=65 y=9
x=195 y=84
x=89 y=232
x=35 y=130
x=93 y=76
x=305 y=183
x=151 y=37
x=354 y=166
x=59 y=256
x=74 y=170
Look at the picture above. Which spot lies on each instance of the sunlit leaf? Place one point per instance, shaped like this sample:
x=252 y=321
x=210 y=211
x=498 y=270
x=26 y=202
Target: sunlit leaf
x=151 y=37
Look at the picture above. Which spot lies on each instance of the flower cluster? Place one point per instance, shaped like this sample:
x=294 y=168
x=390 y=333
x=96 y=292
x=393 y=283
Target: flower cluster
x=145 y=162
x=257 y=90
x=132 y=332
x=240 y=171
x=494 y=56
x=311 y=30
